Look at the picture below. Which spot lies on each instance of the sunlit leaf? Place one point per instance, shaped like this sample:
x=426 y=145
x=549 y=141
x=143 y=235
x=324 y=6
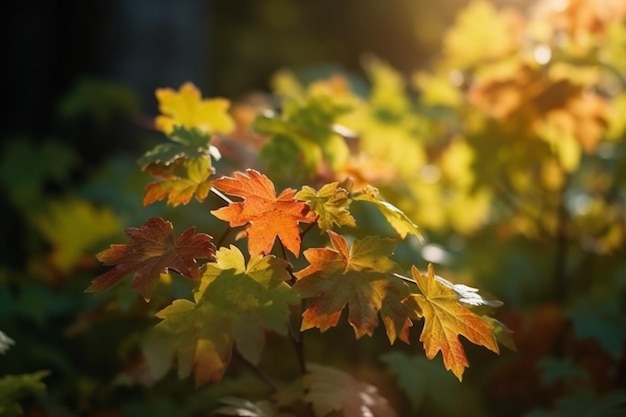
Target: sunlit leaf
x=445 y=319
x=330 y=203
x=234 y=305
x=266 y=215
x=396 y=218
x=187 y=108
x=355 y=277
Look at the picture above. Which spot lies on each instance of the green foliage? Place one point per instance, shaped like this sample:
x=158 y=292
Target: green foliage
x=14 y=388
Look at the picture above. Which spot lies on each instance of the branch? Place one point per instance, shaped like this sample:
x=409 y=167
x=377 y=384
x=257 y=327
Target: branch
x=257 y=371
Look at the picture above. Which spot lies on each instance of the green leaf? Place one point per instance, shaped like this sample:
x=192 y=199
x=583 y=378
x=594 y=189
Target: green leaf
x=554 y=370
x=394 y=216
x=13 y=388
x=188 y=143
x=425 y=383
x=603 y=321
x=235 y=304
x=586 y=404
x=47 y=161
x=302 y=137
x=330 y=203
x=98 y=99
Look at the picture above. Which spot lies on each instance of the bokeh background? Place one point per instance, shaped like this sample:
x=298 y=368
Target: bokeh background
x=509 y=118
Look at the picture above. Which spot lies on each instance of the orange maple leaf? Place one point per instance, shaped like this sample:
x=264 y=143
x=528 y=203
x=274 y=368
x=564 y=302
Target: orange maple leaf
x=267 y=215
x=356 y=277
x=153 y=250
x=445 y=319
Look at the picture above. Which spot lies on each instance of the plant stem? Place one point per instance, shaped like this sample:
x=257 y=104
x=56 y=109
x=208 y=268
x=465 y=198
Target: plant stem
x=306 y=229
x=298 y=342
x=561 y=250
x=257 y=371
x=403 y=278
x=218 y=244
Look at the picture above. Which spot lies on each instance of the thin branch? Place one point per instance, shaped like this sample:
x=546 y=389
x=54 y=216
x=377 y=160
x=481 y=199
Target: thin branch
x=257 y=371
x=306 y=229
x=223 y=237
x=298 y=342
x=221 y=195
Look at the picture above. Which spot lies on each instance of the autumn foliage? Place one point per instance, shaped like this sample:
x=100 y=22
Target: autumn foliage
x=339 y=245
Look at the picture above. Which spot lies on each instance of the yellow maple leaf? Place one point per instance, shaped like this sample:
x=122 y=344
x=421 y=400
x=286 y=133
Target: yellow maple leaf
x=186 y=107
x=445 y=319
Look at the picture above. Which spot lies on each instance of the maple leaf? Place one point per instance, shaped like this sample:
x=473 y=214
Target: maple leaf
x=184 y=142
x=445 y=319
x=396 y=217
x=152 y=251
x=180 y=181
x=234 y=305
x=330 y=204
x=268 y=216
x=329 y=389
x=183 y=167
x=356 y=277
x=302 y=137
x=187 y=108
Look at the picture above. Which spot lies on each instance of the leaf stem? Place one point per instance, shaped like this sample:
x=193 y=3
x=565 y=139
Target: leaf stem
x=221 y=195
x=403 y=278
x=257 y=371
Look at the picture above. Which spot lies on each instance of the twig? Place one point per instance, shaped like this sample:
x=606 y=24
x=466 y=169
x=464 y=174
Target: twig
x=298 y=342
x=257 y=371
x=223 y=237
x=306 y=229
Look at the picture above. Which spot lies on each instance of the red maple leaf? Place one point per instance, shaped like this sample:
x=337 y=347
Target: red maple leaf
x=153 y=250
x=267 y=215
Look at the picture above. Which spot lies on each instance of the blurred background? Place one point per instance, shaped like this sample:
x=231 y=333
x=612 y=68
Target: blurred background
x=497 y=126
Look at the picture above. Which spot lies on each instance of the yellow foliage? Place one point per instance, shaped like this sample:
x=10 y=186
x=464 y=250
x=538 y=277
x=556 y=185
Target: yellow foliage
x=187 y=108
x=481 y=34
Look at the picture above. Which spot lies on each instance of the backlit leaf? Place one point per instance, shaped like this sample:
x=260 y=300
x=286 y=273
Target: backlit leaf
x=329 y=389
x=14 y=387
x=266 y=215
x=247 y=408
x=330 y=204
x=356 y=277
x=187 y=108
x=445 y=319
x=396 y=217
x=152 y=250
x=179 y=181
x=183 y=167
x=63 y=225
x=234 y=305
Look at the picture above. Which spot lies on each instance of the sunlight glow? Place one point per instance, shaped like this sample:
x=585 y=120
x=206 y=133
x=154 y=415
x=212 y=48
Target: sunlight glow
x=542 y=54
